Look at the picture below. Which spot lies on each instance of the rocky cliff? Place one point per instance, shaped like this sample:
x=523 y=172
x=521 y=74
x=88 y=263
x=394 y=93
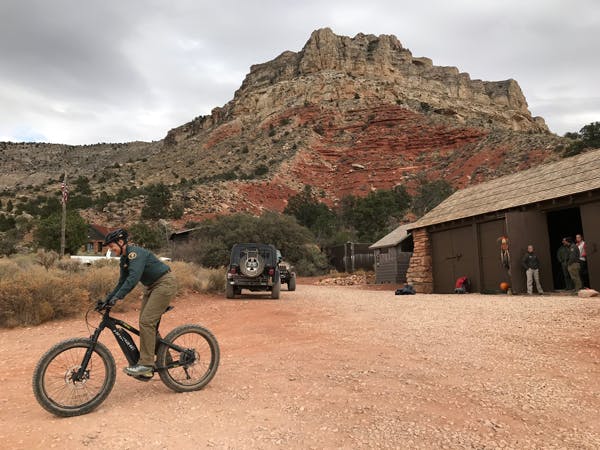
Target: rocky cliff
x=379 y=69
x=345 y=115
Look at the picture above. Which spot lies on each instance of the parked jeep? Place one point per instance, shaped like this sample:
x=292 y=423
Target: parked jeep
x=287 y=272
x=254 y=267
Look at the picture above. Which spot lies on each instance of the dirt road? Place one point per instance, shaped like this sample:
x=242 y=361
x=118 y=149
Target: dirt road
x=342 y=367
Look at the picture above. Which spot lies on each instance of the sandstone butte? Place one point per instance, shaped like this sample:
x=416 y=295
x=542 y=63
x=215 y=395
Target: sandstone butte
x=343 y=115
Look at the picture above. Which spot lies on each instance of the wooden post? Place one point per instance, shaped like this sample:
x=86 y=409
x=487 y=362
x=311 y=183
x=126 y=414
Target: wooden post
x=63 y=225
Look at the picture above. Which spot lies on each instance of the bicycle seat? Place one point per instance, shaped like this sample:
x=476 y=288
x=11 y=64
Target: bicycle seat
x=169 y=308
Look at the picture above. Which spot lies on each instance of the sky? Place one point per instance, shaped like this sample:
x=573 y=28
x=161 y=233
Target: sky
x=83 y=72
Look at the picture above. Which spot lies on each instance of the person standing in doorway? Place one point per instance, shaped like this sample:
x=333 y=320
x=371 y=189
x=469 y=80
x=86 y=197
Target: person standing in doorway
x=562 y=255
x=573 y=264
x=531 y=264
x=583 y=272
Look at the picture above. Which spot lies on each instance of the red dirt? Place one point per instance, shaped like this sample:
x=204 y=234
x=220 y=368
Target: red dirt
x=341 y=367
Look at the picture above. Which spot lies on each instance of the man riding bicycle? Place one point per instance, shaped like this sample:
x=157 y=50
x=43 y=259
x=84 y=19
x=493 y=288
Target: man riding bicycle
x=140 y=265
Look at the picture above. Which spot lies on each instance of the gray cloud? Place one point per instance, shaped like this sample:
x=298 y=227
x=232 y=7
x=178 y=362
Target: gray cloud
x=105 y=71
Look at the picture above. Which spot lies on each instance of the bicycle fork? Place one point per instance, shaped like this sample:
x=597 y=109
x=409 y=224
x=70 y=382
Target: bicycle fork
x=79 y=376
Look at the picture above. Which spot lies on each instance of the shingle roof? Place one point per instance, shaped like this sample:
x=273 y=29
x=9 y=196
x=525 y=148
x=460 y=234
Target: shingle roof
x=393 y=238
x=580 y=173
x=182 y=232
x=99 y=231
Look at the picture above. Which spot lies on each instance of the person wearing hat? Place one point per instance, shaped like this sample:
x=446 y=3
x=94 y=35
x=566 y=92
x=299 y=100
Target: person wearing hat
x=140 y=265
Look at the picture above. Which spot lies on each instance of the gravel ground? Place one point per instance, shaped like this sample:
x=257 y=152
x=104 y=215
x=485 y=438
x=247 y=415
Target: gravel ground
x=342 y=367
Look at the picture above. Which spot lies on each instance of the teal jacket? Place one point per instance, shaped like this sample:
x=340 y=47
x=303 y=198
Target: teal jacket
x=137 y=265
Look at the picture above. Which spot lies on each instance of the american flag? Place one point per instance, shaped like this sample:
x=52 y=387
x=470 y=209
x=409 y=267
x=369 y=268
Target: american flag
x=65 y=192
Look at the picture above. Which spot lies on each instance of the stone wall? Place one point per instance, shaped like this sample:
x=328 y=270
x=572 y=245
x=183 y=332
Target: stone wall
x=420 y=270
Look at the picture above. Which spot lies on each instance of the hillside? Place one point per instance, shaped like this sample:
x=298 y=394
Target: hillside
x=345 y=115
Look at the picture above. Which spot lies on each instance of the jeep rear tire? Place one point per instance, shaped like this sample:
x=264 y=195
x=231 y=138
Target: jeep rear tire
x=276 y=290
x=229 y=291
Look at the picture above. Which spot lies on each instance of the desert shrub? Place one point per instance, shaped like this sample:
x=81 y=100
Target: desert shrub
x=106 y=262
x=192 y=277
x=99 y=279
x=216 y=280
x=15 y=303
x=70 y=265
x=8 y=242
x=31 y=294
x=314 y=263
x=46 y=258
x=23 y=261
x=8 y=268
x=588 y=137
x=186 y=274
x=57 y=290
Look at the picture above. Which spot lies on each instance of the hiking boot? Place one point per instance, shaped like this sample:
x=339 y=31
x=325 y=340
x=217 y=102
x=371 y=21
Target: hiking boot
x=139 y=371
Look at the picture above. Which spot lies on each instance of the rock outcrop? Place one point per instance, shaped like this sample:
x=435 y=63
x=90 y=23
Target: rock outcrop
x=344 y=115
x=380 y=69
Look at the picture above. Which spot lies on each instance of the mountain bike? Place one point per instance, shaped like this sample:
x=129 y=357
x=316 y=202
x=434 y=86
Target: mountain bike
x=76 y=375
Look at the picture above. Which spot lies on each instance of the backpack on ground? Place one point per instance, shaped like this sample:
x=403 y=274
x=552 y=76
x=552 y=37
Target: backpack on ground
x=462 y=286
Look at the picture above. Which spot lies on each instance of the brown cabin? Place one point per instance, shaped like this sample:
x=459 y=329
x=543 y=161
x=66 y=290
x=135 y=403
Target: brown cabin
x=538 y=206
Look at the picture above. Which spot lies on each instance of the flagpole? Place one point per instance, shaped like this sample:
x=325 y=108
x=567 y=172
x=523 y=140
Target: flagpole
x=63 y=225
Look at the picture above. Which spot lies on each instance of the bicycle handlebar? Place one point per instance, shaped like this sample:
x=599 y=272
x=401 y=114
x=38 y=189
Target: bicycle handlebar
x=103 y=306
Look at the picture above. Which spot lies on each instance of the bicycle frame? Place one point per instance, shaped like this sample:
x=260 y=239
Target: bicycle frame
x=128 y=347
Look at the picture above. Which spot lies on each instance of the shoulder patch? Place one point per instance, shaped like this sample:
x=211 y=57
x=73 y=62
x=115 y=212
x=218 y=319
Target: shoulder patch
x=132 y=255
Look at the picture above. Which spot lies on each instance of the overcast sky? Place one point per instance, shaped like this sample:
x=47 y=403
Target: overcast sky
x=83 y=72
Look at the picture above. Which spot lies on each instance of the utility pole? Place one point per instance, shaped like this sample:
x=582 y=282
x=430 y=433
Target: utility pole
x=63 y=225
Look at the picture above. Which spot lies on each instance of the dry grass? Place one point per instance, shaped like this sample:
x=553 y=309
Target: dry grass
x=33 y=291
x=34 y=295
x=191 y=277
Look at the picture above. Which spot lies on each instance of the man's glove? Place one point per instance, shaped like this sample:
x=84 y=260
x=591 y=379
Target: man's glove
x=102 y=304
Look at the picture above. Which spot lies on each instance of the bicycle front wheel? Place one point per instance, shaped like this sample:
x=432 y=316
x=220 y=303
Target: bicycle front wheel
x=57 y=387
x=195 y=366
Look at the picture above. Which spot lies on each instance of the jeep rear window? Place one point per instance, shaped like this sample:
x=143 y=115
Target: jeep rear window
x=265 y=252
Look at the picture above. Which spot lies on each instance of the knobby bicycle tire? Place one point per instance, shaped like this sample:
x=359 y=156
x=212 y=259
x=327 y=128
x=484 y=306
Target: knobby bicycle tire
x=53 y=384
x=191 y=374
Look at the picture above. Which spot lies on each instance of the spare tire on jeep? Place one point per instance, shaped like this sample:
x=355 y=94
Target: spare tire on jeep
x=252 y=264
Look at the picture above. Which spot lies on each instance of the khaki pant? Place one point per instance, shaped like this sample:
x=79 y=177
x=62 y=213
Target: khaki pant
x=574 y=272
x=154 y=303
x=533 y=274
x=567 y=277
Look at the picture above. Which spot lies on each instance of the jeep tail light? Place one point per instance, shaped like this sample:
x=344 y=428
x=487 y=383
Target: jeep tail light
x=233 y=270
x=271 y=271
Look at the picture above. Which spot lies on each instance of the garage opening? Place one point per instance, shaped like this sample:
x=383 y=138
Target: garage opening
x=566 y=222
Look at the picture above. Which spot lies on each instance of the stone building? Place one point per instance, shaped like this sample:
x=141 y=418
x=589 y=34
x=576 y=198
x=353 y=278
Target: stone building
x=462 y=236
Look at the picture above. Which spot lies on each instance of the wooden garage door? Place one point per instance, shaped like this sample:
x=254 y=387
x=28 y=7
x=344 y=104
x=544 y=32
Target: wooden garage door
x=453 y=254
x=590 y=218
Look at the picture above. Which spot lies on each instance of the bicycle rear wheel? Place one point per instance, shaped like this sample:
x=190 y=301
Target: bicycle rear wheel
x=55 y=384
x=193 y=368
